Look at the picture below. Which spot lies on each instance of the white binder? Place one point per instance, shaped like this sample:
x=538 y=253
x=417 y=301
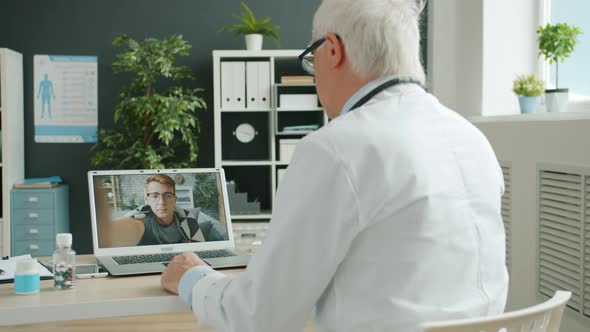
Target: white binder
x=233 y=89
x=226 y=84
x=252 y=95
x=258 y=85
x=239 y=85
x=264 y=87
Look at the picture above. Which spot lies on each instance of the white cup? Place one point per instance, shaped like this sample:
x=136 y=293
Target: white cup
x=26 y=277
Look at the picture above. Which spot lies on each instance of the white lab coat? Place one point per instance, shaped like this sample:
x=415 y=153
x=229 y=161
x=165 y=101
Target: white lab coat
x=387 y=217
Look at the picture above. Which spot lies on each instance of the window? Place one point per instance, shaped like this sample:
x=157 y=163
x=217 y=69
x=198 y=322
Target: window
x=574 y=71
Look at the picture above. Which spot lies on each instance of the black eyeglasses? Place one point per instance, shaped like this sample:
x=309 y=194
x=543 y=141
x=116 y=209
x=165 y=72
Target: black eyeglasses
x=307 y=57
x=156 y=196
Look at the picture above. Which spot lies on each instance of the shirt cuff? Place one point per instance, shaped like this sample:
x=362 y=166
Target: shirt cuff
x=189 y=280
x=207 y=295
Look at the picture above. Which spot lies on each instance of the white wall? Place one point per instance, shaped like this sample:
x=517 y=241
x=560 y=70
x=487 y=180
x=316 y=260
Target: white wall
x=442 y=46
x=509 y=49
x=455 y=59
x=470 y=37
x=476 y=48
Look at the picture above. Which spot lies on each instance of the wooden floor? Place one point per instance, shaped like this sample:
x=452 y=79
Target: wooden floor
x=172 y=322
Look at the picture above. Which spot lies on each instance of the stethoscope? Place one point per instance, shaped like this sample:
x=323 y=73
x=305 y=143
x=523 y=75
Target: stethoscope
x=383 y=86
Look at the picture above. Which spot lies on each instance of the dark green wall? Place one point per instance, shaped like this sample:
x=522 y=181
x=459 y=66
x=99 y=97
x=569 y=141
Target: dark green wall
x=85 y=27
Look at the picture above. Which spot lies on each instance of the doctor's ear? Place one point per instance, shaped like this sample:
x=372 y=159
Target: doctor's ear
x=336 y=50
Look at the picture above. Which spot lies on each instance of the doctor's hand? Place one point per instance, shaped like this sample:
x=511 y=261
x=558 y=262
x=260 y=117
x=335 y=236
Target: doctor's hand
x=176 y=269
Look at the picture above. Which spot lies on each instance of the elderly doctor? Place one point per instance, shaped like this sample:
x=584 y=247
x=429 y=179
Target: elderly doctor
x=387 y=217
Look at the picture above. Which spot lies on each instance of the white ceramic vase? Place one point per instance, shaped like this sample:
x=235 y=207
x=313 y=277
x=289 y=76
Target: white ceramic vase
x=253 y=42
x=556 y=100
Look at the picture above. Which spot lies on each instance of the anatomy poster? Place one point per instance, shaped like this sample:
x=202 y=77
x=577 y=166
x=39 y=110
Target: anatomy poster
x=66 y=99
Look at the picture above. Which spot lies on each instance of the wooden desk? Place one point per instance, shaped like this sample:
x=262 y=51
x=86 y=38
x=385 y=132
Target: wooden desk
x=94 y=303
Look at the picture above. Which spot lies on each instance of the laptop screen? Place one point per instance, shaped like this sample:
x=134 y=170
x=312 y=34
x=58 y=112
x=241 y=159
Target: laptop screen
x=158 y=207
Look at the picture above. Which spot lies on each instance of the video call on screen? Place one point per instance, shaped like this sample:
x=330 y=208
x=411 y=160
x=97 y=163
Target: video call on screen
x=189 y=210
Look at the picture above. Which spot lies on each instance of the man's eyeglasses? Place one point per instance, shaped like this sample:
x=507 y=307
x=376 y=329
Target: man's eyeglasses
x=156 y=196
x=307 y=57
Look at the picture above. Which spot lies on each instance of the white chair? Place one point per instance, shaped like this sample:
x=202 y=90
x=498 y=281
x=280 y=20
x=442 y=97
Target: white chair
x=544 y=317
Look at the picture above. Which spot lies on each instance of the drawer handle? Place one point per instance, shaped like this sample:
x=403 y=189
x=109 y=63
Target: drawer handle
x=33 y=247
x=248 y=235
x=33 y=199
x=33 y=231
x=33 y=215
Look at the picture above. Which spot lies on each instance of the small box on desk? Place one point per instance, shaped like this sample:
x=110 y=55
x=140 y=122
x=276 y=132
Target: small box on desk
x=287 y=148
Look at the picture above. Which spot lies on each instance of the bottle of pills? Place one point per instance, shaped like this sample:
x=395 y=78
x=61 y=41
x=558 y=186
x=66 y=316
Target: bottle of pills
x=64 y=262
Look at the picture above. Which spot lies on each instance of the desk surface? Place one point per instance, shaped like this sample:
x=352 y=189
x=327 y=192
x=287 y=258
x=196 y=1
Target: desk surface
x=91 y=298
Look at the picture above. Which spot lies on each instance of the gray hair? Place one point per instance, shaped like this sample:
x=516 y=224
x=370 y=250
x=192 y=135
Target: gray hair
x=381 y=37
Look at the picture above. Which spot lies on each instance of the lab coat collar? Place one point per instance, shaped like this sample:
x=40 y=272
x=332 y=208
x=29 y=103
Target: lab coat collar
x=363 y=91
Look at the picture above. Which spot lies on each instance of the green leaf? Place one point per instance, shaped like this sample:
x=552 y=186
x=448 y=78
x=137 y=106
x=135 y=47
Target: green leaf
x=557 y=42
x=156 y=116
x=528 y=85
x=248 y=24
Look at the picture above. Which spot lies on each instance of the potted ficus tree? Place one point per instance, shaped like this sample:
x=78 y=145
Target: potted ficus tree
x=253 y=30
x=528 y=88
x=156 y=123
x=556 y=43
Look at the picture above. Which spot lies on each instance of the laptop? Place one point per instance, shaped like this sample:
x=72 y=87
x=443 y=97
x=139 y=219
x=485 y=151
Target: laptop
x=141 y=219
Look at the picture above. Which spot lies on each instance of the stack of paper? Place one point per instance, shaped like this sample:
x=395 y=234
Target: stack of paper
x=8 y=267
x=48 y=182
x=297 y=79
x=300 y=129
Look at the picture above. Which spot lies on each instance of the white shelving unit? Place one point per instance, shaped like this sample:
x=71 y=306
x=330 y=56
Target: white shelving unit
x=227 y=116
x=12 y=126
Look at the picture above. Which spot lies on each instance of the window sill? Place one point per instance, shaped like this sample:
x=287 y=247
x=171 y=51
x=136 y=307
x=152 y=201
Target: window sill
x=530 y=117
x=578 y=109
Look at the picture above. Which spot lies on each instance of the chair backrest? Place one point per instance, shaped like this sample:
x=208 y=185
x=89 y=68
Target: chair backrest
x=544 y=317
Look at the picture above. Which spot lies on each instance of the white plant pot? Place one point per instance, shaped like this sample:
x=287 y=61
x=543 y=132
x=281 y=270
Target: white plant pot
x=253 y=42
x=556 y=100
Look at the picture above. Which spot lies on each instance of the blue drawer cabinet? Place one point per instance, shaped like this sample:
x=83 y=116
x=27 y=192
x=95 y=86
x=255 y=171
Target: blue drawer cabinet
x=33 y=216
x=36 y=216
x=35 y=248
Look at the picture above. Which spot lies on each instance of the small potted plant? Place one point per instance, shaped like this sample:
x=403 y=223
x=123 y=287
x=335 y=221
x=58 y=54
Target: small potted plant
x=556 y=43
x=253 y=30
x=528 y=88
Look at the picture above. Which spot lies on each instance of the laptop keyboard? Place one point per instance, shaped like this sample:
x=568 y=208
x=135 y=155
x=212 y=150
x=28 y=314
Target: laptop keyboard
x=164 y=258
